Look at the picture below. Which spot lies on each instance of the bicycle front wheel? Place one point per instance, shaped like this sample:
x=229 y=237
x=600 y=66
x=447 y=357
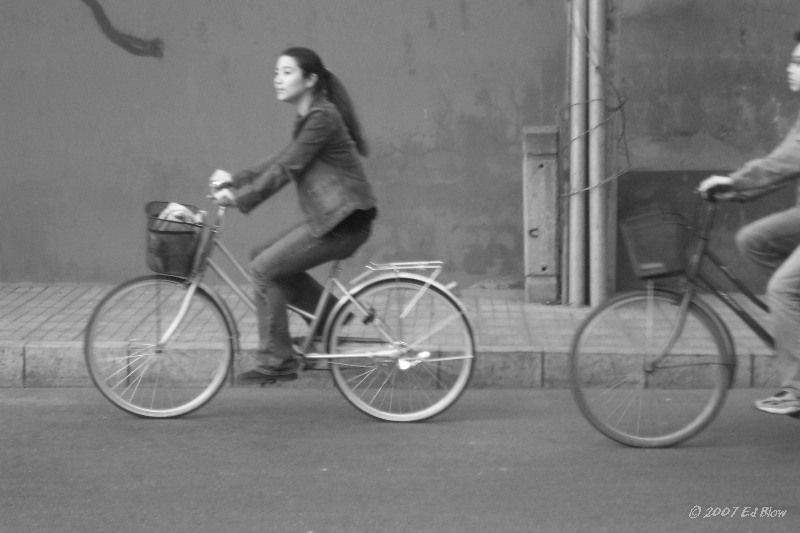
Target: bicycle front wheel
x=633 y=387
x=135 y=371
x=422 y=345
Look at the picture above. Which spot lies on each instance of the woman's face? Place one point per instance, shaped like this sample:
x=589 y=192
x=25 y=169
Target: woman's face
x=290 y=83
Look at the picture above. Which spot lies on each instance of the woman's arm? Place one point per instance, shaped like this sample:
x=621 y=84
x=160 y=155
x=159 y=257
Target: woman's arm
x=243 y=177
x=761 y=176
x=311 y=138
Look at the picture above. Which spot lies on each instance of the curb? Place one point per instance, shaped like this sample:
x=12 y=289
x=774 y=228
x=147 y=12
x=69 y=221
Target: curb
x=520 y=345
x=37 y=364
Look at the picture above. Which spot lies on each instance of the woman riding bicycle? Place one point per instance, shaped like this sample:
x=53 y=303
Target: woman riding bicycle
x=335 y=197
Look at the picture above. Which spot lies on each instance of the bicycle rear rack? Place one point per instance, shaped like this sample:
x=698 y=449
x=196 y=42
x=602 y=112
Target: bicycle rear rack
x=409 y=265
x=436 y=266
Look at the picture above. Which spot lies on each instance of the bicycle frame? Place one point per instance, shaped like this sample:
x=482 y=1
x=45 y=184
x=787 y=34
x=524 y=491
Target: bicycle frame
x=210 y=241
x=695 y=274
x=695 y=278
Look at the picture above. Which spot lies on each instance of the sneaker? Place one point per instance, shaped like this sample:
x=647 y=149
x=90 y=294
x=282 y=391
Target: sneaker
x=782 y=403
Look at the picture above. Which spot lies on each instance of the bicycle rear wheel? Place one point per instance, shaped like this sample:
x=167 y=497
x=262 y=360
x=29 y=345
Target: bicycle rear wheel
x=630 y=392
x=134 y=371
x=430 y=350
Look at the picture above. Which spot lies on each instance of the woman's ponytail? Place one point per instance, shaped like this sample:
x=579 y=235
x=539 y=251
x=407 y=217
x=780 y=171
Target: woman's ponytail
x=310 y=62
x=339 y=97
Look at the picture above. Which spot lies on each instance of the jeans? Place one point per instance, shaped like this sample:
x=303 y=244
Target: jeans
x=279 y=268
x=774 y=243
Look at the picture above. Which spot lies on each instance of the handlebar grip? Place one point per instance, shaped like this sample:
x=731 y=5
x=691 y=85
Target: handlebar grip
x=712 y=193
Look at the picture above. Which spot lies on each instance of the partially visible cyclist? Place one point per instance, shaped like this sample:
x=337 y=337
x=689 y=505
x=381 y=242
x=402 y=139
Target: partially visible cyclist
x=774 y=243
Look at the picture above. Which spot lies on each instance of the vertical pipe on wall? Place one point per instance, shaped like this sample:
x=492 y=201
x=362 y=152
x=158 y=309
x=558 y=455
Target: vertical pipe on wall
x=597 y=152
x=577 y=154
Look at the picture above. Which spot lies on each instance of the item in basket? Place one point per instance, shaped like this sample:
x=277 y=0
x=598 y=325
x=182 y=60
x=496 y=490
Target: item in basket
x=172 y=238
x=175 y=212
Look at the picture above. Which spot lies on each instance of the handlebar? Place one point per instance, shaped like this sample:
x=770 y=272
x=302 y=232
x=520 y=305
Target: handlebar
x=715 y=193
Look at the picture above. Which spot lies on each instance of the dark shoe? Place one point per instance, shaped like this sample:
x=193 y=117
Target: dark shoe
x=267 y=376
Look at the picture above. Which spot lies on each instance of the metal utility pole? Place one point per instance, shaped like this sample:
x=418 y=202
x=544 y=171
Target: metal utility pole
x=587 y=159
x=576 y=288
x=598 y=193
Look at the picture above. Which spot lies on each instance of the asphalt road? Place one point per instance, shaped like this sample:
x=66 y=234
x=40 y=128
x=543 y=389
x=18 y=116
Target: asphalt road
x=297 y=460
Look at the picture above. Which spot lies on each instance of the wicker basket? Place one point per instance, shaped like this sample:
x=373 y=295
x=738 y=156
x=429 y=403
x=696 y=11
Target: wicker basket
x=171 y=244
x=656 y=244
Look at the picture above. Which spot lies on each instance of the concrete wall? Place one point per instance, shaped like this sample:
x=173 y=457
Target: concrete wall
x=92 y=131
x=705 y=88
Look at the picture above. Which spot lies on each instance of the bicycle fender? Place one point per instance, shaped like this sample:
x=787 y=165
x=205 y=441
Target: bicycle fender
x=390 y=276
x=217 y=299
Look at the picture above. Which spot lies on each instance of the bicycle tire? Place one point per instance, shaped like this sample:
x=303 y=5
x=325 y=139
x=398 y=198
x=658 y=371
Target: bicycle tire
x=658 y=407
x=130 y=368
x=427 y=324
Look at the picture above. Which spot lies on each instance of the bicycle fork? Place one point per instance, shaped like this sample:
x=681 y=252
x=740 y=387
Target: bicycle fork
x=176 y=322
x=683 y=312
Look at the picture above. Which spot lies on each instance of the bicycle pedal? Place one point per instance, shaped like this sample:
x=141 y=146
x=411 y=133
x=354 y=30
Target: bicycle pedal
x=309 y=364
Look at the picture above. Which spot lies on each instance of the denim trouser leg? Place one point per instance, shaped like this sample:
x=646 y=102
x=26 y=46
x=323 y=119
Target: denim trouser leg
x=774 y=243
x=279 y=268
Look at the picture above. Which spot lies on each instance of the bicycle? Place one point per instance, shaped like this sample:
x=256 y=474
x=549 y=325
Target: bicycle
x=399 y=344
x=651 y=368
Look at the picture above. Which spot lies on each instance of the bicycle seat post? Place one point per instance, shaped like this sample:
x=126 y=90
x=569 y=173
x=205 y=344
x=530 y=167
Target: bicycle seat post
x=335 y=268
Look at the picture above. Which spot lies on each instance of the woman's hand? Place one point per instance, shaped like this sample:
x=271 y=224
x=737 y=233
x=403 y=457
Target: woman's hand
x=219 y=179
x=224 y=197
x=717 y=187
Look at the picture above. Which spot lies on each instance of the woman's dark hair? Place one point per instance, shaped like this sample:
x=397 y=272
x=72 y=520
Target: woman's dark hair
x=327 y=82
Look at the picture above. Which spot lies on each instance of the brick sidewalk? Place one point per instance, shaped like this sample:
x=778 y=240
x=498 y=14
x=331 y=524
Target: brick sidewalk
x=519 y=344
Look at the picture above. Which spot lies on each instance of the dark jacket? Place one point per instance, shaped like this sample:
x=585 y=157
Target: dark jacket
x=322 y=161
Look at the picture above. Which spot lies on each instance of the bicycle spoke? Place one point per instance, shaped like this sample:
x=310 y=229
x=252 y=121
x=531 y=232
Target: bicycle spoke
x=633 y=392
x=143 y=377
x=427 y=328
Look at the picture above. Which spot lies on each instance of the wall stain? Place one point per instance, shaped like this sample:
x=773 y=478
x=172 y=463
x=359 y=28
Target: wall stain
x=432 y=25
x=463 y=15
x=410 y=53
x=134 y=45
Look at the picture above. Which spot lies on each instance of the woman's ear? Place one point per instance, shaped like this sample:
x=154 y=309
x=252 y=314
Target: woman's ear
x=311 y=81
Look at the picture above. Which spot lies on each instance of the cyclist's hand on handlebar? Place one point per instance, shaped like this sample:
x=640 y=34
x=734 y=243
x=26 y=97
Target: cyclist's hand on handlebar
x=717 y=188
x=224 y=197
x=219 y=179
